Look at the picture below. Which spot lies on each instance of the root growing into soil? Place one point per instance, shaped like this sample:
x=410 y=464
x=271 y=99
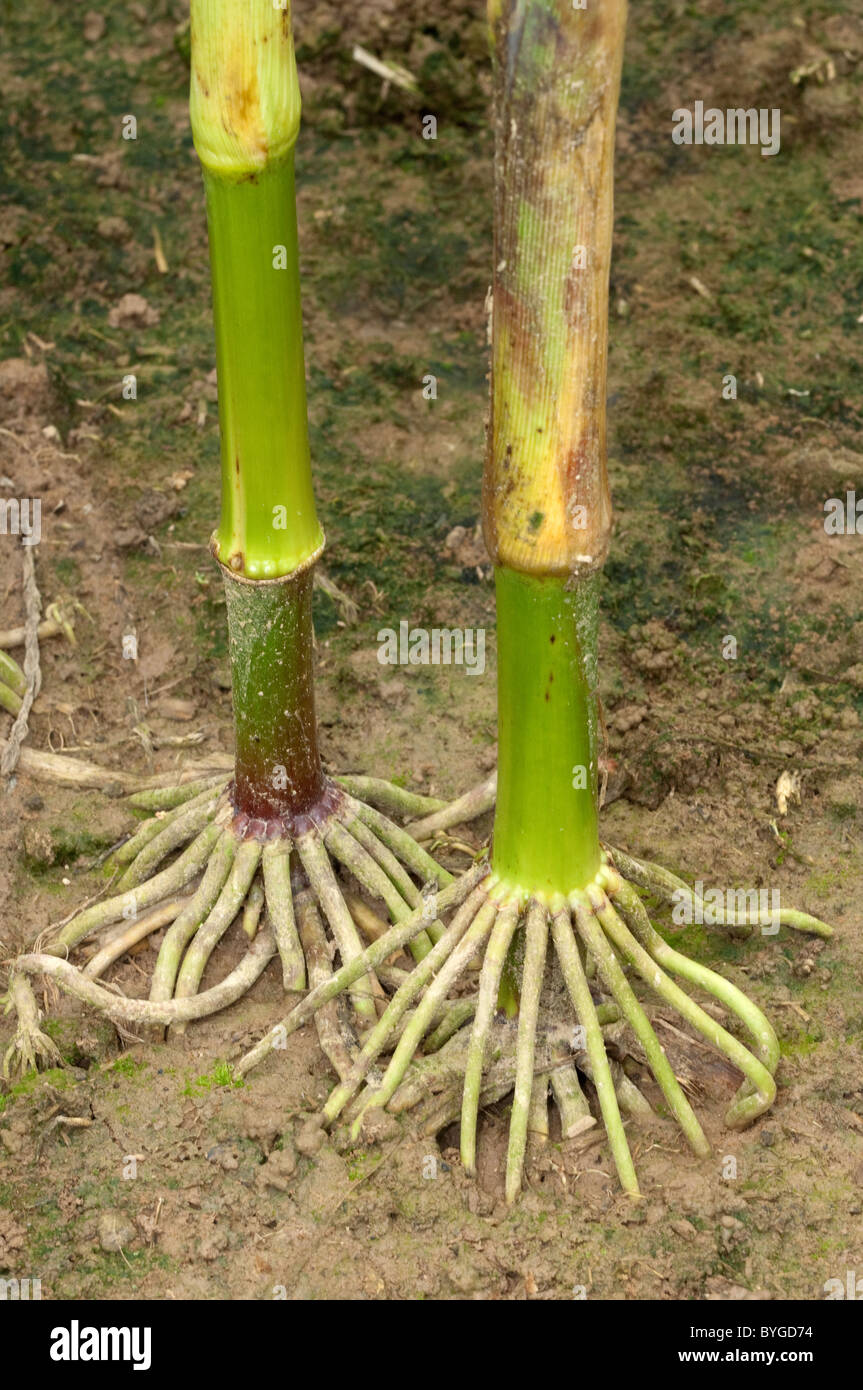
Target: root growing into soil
x=604 y=943
x=195 y=866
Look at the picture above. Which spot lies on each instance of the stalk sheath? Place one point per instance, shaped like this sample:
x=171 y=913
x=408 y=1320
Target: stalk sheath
x=546 y=502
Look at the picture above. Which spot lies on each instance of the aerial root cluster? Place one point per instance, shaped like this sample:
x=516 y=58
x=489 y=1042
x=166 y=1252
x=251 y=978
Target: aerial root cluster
x=285 y=888
x=286 y=891
x=604 y=943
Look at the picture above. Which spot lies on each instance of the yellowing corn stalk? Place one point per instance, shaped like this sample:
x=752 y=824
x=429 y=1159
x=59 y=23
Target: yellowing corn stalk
x=546 y=503
x=547 y=524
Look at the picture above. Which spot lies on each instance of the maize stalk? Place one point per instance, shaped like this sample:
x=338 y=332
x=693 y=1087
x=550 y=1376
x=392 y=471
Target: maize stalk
x=546 y=519
x=268 y=840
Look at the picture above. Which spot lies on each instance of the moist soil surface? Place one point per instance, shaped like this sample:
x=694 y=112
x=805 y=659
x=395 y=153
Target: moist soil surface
x=731 y=646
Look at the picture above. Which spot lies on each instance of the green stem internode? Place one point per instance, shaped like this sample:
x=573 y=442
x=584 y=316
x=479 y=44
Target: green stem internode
x=546 y=837
x=278 y=767
x=268 y=525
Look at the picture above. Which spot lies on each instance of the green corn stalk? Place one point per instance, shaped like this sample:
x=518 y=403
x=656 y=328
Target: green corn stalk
x=245 y=112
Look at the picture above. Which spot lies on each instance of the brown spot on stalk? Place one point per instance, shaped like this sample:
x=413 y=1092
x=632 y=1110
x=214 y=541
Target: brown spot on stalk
x=576 y=466
x=576 y=296
x=514 y=314
x=245 y=104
